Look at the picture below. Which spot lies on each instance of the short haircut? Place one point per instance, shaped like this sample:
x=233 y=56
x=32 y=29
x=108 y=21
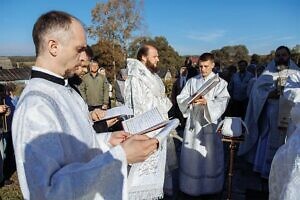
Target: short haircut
x=285 y=48
x=94 y=61
x=47 y=23
x=143 y=51
x=206 y=57
x=243 y=61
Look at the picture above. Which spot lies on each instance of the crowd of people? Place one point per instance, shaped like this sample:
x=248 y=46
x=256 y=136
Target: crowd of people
x=63 y=150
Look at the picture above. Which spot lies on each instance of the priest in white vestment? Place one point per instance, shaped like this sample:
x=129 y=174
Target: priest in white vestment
x=265 y=136
x=58 y=154
x=144 y=90
x=202 y=159
x=284 y=181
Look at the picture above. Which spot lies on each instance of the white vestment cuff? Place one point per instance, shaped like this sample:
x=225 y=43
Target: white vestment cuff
x=119 y=153
x=104 y=137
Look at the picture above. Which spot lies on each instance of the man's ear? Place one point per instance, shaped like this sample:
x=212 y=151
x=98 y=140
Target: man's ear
x=213 y=64
x=53 y=47
x=144 y=59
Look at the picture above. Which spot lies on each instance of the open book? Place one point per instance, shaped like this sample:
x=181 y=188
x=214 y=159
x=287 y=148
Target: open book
x=151 y=123
x=205 y=88
x=117 y=112
x=144 y=123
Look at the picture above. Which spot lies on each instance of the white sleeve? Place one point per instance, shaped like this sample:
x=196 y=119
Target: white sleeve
x=216 y=106
x=292 y=88
x=53 y=164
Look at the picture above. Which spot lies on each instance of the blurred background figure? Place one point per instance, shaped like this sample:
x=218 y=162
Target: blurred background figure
x=191 y=70
x=8 y=102
x=178 y=85
x=81 y=70
x=237 y=89
x=102 y=71
x=119 y=87
x=262 y=118
x=3 y=110
x=95 y=88
x=257 y=72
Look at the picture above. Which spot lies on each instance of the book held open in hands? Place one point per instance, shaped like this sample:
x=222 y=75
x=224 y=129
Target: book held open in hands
x=205 y=88
x=117 y=112
x=150 y=123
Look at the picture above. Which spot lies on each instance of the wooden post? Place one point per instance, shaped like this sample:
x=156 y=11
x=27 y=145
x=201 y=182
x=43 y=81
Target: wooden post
x=233 y=146
x=4 y=120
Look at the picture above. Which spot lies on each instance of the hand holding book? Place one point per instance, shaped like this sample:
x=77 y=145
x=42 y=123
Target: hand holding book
x=115 y=112
x=200 y=101
x=204 y=89
x=151 y=123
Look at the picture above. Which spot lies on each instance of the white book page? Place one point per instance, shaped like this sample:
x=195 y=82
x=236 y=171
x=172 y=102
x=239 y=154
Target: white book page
x=142 y=122
x=117 y=111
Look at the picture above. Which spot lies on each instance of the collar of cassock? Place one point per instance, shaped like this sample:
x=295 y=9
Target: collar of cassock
x=38 y=72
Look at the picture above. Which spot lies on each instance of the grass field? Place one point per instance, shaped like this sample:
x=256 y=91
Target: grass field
x=11 y=192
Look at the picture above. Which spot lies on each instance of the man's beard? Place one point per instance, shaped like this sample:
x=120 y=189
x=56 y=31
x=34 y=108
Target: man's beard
x=69 y=73
x=75 y=80
x=151 y=67
x=282 y=62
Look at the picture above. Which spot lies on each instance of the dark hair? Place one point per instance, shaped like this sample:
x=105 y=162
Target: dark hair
x=243 y=61
x=2 y=92
x=11 y=87
x=89 y=51
x=50 y=22
x=96 y=59
x=188 y=61
x=285 y=48
x=206 y=57
x=143 y=51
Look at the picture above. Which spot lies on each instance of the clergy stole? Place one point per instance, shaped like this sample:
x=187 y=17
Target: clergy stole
x=285 y=105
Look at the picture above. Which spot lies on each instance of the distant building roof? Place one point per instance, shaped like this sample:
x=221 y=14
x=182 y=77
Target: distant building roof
x=5 y=63
x=15 y=74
